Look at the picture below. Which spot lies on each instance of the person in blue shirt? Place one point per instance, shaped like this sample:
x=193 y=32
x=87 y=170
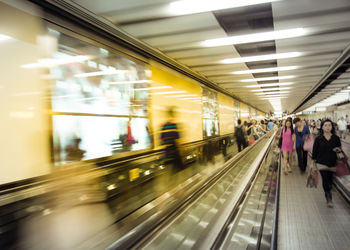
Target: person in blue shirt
x=301 y=133
x=270 y=125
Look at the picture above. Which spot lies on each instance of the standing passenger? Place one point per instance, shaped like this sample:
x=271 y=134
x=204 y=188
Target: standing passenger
x=324 y=156
x=270 y=125
x=240 y=136
x=169 y=136
x=342 y=128
x=301 y=133
x=288 y=144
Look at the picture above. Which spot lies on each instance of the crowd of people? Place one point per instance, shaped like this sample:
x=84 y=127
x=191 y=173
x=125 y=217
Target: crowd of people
x=314 y=143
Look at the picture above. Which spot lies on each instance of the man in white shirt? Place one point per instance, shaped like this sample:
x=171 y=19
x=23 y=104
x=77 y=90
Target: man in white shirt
x=342 y=127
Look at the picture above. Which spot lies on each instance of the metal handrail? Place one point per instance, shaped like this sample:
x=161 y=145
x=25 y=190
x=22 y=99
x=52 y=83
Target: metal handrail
x=276 y=212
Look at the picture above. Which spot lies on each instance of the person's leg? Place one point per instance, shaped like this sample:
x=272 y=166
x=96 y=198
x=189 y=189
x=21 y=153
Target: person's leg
x=285 y=156
x=290 y=159
x=239 y=145
x=327 y=180
x=304 y=160
x=300 y=158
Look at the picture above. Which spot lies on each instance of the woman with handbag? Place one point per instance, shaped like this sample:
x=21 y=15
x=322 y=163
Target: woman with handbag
x=324 y=157
x=302 y=132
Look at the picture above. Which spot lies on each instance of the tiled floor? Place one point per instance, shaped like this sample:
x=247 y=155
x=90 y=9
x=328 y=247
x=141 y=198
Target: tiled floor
x=305 y=221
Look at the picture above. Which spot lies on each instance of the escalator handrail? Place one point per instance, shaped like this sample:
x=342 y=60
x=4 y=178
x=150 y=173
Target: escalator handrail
x=276 y=212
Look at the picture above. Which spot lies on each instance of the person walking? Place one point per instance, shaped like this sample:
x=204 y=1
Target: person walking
x=342 y=128
x=288 y=145
x=240 y=135
x=324 y=156
x=301 y=133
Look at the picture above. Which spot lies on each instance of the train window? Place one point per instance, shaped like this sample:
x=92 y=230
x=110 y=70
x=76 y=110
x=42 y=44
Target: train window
x=99 y=102
x=210 y=113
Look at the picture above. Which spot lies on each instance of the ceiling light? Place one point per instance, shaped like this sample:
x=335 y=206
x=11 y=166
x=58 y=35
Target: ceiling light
x=275 y=69
x=262 y=57
x=101 y=73
x=272 y=93
x=4 y=37
x=257 y=37
x=270 y=84
x=267 y=78
x=129 y=82
x=54 y=62
x=269 y=89
x=185 y=7
x=274 y=98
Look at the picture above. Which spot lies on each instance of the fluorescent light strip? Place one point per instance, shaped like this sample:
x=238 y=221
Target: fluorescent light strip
x=261 y=58
x=270 y=84
x=169 y=92
x=53 y=62
x=129 y=82
x=257 y=37
x=274 y=98
x=269 y=89
x=4 y=37
x=185 y=7
x=267 y=78
x=100 y=73
x=276 y=92
x=275 y=69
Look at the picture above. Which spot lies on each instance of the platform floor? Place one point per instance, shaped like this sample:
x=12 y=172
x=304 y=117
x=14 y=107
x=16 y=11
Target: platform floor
x=305 y=221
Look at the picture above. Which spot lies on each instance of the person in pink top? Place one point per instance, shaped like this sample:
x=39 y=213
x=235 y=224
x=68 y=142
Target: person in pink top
x=288 y=145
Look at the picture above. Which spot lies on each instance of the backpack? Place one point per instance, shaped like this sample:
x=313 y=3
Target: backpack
x=239 y=133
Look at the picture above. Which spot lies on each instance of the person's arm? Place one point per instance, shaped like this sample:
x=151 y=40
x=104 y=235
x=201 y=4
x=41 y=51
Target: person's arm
x=255 y=132
x=315 y=152
x=294 y=141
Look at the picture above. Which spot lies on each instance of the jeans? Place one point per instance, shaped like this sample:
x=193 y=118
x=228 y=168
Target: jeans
x=302 y=159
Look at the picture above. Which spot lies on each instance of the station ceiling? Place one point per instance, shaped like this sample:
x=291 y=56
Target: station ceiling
x=316 y=50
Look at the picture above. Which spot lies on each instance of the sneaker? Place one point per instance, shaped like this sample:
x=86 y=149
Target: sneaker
x=330 y=204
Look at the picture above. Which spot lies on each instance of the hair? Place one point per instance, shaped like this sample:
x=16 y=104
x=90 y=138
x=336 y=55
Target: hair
x=170 y=111
x=262 y=122
x=291 y=125
x=296 y=120
x=239 y=121
x=323 y=122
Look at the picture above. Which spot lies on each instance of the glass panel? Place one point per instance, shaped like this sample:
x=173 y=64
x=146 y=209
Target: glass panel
x=89 y=79
x=210 y=113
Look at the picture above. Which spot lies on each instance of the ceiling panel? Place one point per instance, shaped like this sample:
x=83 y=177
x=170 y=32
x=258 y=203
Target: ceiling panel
x=180 y=37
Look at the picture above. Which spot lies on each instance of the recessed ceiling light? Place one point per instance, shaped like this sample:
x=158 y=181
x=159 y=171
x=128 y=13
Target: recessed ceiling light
x=185 y=7
x=272 y=93
x=275 y=69
x=267 y=78
x=261 y=57
x=257 y=37
x=270 y=84
x=269 y=89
